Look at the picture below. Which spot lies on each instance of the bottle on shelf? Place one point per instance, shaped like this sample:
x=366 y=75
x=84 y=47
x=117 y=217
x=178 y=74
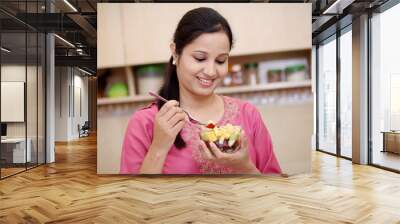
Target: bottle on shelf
x=227 y=80
x=116 y=85
x=274 y=75
x=149 y=78
x=237 y=75
x=251 y=74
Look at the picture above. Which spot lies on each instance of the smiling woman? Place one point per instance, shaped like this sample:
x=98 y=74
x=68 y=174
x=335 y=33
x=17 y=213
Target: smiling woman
x=161 y=139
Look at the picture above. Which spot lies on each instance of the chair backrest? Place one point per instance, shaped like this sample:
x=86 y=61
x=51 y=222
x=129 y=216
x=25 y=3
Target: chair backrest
x=86 y=125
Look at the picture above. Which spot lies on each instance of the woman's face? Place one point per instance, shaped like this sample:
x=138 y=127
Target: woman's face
x=203 y=63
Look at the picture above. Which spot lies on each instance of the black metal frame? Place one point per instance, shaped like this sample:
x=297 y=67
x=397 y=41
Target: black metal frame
x=337 y=35
x=316 y=96
x=0 y=92
x=73 y=91
x=45 y=90
x=387 y=5
x=25 y=89
x=338 y=98
x=317 y=87
x=69 y=93
x=369 y=90
x=37 y=164
x=37 y=92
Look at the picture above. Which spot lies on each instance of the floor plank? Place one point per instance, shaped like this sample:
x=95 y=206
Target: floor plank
x=387 y=159
x=70 y=191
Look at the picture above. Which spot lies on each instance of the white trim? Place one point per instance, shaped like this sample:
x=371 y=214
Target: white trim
x=5 y=50
x=70 y=5
x=65 y=41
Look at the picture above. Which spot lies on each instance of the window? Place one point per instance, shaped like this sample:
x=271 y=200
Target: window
x=22 y=68
x=346 y=93
x=327 y=96
x=385 y=88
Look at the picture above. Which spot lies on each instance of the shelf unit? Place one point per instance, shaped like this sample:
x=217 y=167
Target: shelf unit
x=128 y=73
x=220 y=90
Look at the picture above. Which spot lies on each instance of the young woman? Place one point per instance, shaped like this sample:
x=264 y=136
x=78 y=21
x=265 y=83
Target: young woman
x=161 y=139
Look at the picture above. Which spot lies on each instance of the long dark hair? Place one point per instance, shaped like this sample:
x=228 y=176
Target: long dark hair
x=194 y=23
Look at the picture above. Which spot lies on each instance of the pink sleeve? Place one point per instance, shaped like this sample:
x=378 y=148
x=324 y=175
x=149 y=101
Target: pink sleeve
x=138 y=137
x=266 y=161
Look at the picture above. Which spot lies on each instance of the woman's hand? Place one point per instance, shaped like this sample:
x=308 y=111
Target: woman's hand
x=168 y=123
x=239 y=160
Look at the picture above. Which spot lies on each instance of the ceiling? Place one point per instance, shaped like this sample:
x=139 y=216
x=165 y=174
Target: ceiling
x=76 y=22
x=332 y=15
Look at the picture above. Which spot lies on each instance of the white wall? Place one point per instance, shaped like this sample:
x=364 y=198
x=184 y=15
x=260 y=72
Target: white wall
x=61 y=103
x=33 y=127
x=291 y=138
x=69 y=85
x=13 y=73
x=12 y=101
x=123 y=38
x=85 y=97
x=80 y=100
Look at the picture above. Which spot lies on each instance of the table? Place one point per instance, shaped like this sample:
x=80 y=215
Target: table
x=391 y=141
x=17 y=150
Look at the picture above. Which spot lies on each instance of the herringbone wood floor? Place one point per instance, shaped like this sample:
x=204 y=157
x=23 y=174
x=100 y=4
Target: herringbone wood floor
x=69 y=191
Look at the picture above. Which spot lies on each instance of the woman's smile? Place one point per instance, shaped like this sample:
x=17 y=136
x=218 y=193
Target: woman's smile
x=205 y=82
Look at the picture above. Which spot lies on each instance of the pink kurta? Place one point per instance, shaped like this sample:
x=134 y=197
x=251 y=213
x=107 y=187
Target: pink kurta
x=188 y=160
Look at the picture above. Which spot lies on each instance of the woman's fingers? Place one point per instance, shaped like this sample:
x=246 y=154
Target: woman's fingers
x=167 y=106
x=171 y=113
x=177 y=122
x=205 y=151
x=215 y=150
x=178 y=127
x=176 y=118
x=243 y=140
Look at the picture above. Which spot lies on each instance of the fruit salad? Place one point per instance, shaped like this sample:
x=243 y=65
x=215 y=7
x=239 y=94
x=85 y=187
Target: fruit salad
x=226 y=137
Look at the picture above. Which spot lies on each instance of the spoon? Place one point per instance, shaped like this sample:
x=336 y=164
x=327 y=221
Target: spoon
x=163 y=99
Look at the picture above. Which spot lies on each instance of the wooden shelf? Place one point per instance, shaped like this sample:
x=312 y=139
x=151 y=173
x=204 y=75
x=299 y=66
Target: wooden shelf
x=221 y=90
x=128 y=99
x=263 y=87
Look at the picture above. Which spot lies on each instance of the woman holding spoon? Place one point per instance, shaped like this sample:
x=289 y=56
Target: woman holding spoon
x=162 y=139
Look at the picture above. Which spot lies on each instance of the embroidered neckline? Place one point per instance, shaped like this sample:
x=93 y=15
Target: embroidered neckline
x=191 y=135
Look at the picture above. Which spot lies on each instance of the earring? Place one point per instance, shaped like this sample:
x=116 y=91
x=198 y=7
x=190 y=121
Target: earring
x=174 y=62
